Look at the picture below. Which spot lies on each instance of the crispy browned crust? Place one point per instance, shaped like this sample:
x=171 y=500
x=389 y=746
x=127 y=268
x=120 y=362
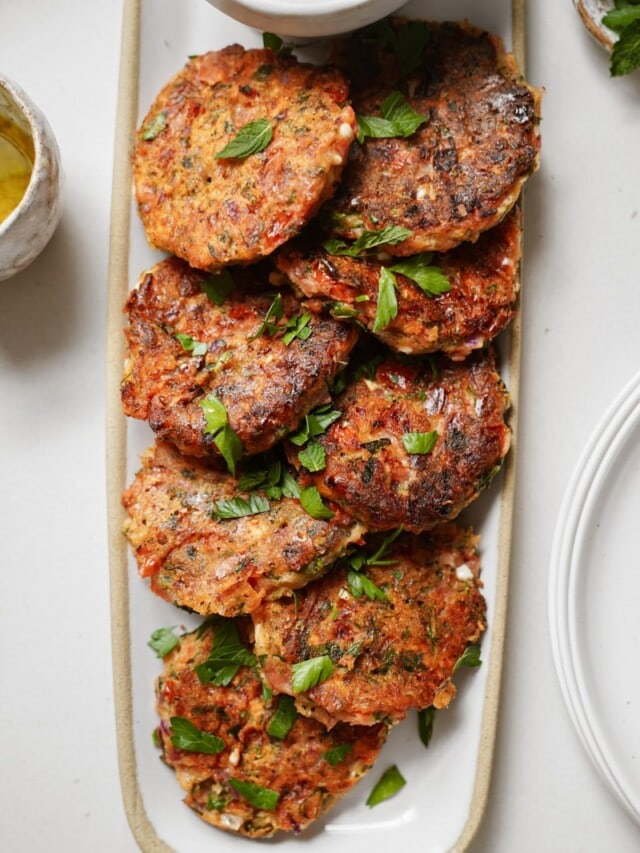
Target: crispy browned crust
x=481 y=303
x=370 y=472
x=388 y=656
x=459 y=173
x=266 y=386
x=213 y=212
x=208 y=565
x=295 y=767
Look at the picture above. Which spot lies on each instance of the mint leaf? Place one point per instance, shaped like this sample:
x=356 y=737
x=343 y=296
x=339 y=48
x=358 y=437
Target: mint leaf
x=398 y=119
x=297 y=327
x=162 y=641
x=217 y=286
x=215 y=414
x=625 y=54
x=419 y=442
x=313 y=457
x=470 y=657
x=308 y=673
x=284 y=718
x=360 y=584
x=389 y=784
x=316 y=422
x=617 y=19
x=227 y=654
x=259 y=797
x=250 y=139
x=391 y=236
x=188 y=737
x=224 y=438
x=189 y=344
x=387 y=308
x=312 y=504
x=429 y=278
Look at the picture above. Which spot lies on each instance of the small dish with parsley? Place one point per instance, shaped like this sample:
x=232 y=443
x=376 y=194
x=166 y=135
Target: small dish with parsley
x=615 y=24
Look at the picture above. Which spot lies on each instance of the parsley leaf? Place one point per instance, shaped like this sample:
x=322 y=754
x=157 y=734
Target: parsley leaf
x=390 y=236
x=239 y=507
x=389 y=784
x=398 y=119
x=155 y=126
x=217 y=286
x=284 y=718
x=308 y=673
x=227 y=654
x=186 y=736
x=387 y=308
x=469 y=657
x=429 y=278
x=313 y=457
x=224 y=438
x=276 y=44
x=419 y=442
x=360 y=584
x=425 y=724
x=162 y=641
x=250 y=139
x=338 y=753
x=625 y=54
x=312 y=504
x=259 y=797
x=297 y=327
x=189 y=344
x=269 y=325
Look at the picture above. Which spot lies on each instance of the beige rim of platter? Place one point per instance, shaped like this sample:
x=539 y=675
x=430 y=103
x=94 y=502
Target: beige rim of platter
x=116 y=460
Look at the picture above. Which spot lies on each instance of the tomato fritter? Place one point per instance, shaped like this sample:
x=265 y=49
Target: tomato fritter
x=258 y=783
x=184 y=349
x=482 y=276
x=393 y=647
x=215 y=211
x=461 y=171
x=212 y=547
x=416 y=442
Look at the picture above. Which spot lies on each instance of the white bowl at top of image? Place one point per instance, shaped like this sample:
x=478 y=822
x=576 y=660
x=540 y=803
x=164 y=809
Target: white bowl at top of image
x=307 y=18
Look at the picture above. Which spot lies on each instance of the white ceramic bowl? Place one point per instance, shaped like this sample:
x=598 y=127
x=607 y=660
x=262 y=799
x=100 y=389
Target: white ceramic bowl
x=307 y=18
x=30 y=226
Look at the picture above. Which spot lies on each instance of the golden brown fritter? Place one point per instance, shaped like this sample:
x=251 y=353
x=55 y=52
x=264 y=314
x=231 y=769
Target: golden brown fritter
x=295 y=768
x=211 y=564
x=265 y=383
x=380 y=465
x=483 y=278
x=211 y=211
x=390 y=652
x=461 y=171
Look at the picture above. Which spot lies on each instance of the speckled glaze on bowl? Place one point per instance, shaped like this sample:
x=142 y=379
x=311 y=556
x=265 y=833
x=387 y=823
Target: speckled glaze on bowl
x=28 y=228
x=307 y=18
x=592 y=12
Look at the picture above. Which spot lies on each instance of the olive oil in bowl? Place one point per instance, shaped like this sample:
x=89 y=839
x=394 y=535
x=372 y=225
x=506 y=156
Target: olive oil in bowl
x=16 y=165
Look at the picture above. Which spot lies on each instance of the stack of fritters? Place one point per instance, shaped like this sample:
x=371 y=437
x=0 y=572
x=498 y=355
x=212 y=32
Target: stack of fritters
x=316 y=364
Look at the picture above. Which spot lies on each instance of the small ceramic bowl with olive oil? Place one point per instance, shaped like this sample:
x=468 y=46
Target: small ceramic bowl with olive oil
x=30 y=180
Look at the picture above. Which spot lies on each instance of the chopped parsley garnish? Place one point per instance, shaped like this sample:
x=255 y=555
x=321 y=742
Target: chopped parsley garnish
x=276 y=44
x=425 y=724
x=224 y=438
x=294 y=327
x=312 y=504
x=186 y=736
x=358 y=560
x=419 y=442
x=389 y=784
x=387 y=308
x=217 y=286
x=259 y=797
x=469 y=657
x=297 y=327
x=316 y=422
x=313 y=457
x=308 y=673
x=397 y=118
x=270 y=476
x=189 y=344
x=360 y=585
x=250 y=139
x=390 y=236
x=227 y=654
x=239 y=507
x=162 y=641
x=429 y=278
x=155 y=126
x=284 y=718
x=337 y=753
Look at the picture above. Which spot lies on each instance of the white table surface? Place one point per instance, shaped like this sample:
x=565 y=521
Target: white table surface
x=59 y=789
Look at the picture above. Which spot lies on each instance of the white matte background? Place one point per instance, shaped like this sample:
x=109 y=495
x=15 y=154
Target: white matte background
x=59 y=790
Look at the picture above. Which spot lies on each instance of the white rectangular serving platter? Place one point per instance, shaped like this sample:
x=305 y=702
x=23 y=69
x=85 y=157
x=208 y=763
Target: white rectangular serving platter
x=441 y=805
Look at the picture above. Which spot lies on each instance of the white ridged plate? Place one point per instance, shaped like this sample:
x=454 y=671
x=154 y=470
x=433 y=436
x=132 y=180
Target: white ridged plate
x=594 y=597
